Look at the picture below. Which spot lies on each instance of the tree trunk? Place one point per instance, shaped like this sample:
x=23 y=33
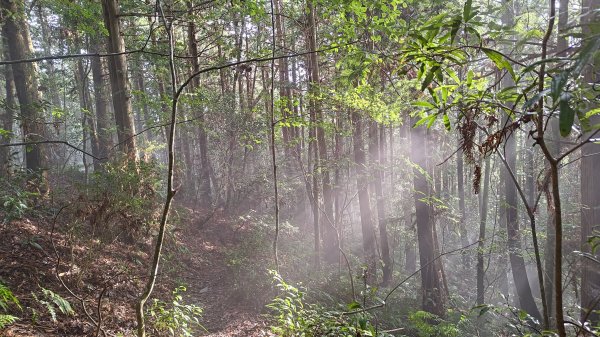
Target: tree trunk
x=16 y=33
x=432 y=287
x=376 y=170
x=330 y=239
x=517 y=262
x=6 y=118
x=462 y=225
x=101 y=98
x=362 y=185
x=590 y=185
x=204 y=191
x=121 y=93
x=482 y=223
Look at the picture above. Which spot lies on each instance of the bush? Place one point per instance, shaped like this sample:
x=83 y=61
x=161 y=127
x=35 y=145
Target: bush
x=7 y=299
x=15 y=200
x=294 y=317
x=175 y=318
x=122 y=200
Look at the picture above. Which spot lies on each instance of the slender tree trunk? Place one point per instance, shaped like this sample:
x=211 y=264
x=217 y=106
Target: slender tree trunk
x=432 y=285
x=101 y=99
x=462 y=226
x=517 y=262
x=121 y=93
x=205 y=191
x=330 y=239
x=482 y=224
x=362 y=185
x=6 y=118
x=376 y=169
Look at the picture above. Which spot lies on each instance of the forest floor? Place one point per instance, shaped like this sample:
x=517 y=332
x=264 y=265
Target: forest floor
x=33 y=257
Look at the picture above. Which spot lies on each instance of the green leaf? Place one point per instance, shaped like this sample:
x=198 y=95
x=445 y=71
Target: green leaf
x=566 y=116
x=429 y=77
x=499 y=61
x=353 y=305
x=454 y=30
x=558 y=83
x=447 y=122
x=424 y=104
x=467 y=10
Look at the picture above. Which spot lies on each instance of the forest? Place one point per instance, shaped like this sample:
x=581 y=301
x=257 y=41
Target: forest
x=300 y=168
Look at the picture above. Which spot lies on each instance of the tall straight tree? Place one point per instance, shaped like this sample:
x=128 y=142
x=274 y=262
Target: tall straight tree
x=119 y=82
x=204 y=189
x=362 y=185
x=432 y=284
x=590 y=182
x=330 y=239
x=25 y=76
x=101 y=104
x=374 y=156
x=7 y=113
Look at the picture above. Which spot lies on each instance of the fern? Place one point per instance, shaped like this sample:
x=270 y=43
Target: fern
x=7 y=298
x=53 y=301
x=6 y=320
x=63 y=305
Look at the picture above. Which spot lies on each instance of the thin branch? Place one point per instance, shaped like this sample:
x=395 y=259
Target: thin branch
x=54 y=142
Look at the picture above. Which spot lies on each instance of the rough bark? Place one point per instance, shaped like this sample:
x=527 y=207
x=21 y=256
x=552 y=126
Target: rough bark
x=121 y=92
x=7 y=115
x=102 y=107
x=432 y=286
x=25 y=75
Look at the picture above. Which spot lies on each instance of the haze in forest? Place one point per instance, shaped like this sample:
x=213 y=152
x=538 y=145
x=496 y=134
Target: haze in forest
x=299 y=168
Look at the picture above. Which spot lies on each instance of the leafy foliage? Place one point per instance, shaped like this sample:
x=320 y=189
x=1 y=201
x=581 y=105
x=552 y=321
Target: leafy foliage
x=175 y=317
x=294 y=317
x=53 y=302
x=7 y=298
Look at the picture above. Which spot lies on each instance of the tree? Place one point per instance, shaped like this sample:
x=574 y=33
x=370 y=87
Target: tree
x=119 y=82
x=18 y=41
x=590 y=184
x=362 y=185
x=432 y=286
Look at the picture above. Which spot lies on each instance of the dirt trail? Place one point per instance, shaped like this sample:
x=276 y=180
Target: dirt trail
x=27 y=263
x=211 y=281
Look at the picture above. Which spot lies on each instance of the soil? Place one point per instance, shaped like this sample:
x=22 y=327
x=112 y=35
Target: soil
x=36 y=254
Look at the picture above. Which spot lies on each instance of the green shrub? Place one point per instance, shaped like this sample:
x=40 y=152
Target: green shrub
x=175 y=318
x=430 y=325
x=122 y=200
x=296 y=318
x=7 y=299
x=15 y=200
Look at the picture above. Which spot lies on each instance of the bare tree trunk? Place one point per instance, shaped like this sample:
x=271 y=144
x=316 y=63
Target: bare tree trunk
x=6 y=118
x=362 y=185
x=16 y=34
x=482 y=224
x=376 y=169
x=590 y=185
x=330 y=239
x=432 y=285
x=101 y=98
x=121 y=93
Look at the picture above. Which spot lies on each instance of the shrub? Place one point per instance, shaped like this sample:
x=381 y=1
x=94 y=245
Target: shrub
x=7 y=299
x=175 y=317
x=294 y=317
